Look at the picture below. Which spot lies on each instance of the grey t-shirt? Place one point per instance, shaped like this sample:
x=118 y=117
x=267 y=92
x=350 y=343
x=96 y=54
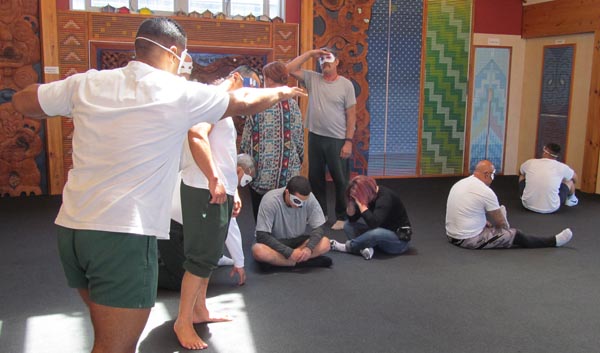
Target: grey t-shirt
x=285 y=222
x=327 y=104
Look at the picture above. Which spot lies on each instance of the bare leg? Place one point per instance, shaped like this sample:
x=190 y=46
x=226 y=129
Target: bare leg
x=85 y=295
x=116 y=330
x=263 y=253
x=201 y=314
x=321 y=248
x=191 y=287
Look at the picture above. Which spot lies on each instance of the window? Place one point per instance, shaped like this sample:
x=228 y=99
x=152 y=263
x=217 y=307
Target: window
x=271 y=8
x=214 y=6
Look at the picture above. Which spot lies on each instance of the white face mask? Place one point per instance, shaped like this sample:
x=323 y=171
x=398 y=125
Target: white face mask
x=183 y=66
x=186 y=66
x=296 y=201
x=329 y=58
x=246 y=179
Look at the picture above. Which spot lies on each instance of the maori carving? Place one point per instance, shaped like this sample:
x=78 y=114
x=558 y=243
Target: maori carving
x=81 y=32
x=114 y=59
x=20 y=142
x=343 y=25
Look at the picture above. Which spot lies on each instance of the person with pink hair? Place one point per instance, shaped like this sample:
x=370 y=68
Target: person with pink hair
x=376 y=219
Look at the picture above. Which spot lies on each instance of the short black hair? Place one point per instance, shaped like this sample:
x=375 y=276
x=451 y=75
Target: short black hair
x=163 y=30
x=332 y=50
x=554 y=148
x=299 y=185
x=248 y=71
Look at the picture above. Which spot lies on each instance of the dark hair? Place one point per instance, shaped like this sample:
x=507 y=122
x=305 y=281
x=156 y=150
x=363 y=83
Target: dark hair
x=163 y=30
x=299 y=185
x=362 y=188
x=276 y=71
x=553 y=148
x=248 y=71
x=332 y=50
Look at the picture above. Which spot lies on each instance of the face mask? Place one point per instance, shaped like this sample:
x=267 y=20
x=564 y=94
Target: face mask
x=296 y=201
x=329 y=58
x=246 y=179
x=186 y=66
x=551 y=154
x=250 y=82
x=493 y=174
x=181 y=58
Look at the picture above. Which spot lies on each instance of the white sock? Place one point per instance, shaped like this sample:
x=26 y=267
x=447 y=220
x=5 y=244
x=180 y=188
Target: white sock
x=337 y=246
x=225 y=261
x=367 y=253
x=563 y=237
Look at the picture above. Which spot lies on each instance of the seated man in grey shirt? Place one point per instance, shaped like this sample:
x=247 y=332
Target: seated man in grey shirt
x=289 y=228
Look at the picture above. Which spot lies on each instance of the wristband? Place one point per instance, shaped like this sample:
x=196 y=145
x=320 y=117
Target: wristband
x=348 y=139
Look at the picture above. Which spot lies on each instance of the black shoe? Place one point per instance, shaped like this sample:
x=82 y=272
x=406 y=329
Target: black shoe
x=264 y=266
x=319 y=261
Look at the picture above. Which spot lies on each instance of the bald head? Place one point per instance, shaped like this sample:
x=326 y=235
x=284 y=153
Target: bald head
x=484 y=171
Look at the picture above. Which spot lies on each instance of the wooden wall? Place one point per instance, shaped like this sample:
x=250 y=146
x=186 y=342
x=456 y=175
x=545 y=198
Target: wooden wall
x=567 y=17
x=78 y=34
x=20 y=137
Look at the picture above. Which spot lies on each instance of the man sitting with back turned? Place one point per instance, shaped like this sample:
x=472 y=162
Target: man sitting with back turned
x=281 y=238
x=469 y=203
x=545 y=184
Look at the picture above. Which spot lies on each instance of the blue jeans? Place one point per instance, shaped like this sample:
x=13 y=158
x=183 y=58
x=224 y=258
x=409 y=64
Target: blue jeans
x=383 y=239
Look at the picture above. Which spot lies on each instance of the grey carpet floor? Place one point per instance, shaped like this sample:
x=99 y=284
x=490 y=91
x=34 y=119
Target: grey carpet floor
x=436 y=298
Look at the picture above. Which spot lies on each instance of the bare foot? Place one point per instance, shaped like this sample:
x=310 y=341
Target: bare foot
x=203 y=317
x=188 y=337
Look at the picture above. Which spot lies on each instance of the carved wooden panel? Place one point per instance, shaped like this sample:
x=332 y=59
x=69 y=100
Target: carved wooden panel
x=73 y=57
x=200 y=31
x=285 y=41
x=73 y=43
x=343 y=25
x=20 y=140
x=104 y=41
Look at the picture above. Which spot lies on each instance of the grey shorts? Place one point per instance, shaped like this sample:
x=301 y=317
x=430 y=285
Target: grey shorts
x=489 y=238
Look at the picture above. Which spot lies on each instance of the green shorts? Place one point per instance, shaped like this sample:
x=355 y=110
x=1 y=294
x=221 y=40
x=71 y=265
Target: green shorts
x=119 y=269
x=205 y=227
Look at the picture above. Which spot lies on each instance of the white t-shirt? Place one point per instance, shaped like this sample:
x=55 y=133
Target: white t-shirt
x=130 y=124
x=224 y=154
x=468 y=202
x=543 y=177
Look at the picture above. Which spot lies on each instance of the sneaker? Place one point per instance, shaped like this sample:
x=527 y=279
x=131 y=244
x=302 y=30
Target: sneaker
x=225 y=261
x=367 y=253
x=335 y=245
x=563 y=237
x=319 y=261
x=572 y=201
x=338 y=225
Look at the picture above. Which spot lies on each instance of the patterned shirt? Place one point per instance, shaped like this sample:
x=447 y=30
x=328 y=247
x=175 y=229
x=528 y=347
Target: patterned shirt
x=275 y=139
